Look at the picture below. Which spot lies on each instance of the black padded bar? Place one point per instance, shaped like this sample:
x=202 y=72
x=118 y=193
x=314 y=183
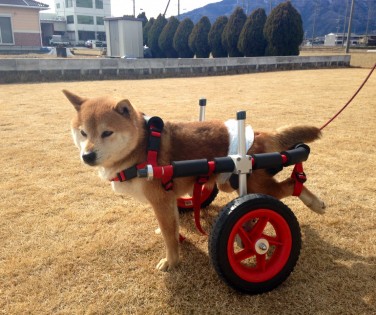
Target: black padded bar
x=298 y=154
x=202 y=102
x=224 y=165
x=267 y=160
x=190 y=168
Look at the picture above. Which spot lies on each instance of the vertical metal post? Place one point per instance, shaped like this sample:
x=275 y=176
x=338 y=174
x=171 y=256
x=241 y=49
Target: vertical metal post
x=349 y=29
x=242 y=150
x=202 y=103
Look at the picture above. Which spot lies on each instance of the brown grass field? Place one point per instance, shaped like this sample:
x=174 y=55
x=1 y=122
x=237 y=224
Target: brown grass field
x=69 y=245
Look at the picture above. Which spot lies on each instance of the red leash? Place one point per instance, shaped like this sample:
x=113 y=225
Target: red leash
x=356 y=93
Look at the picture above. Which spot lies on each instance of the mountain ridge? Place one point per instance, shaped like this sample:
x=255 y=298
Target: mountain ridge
x=320 y=17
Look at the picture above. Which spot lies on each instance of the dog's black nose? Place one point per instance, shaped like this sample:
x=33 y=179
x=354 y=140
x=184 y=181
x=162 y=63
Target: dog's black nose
x=89 y=158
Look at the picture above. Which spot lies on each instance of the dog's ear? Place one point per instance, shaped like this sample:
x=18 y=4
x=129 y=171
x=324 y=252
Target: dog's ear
x=74 y=99
x=124 y=108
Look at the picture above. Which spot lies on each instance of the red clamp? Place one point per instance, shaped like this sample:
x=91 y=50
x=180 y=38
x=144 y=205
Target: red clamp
x=299 y=177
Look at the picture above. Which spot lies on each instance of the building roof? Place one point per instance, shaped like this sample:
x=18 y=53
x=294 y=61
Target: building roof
x=24 y=3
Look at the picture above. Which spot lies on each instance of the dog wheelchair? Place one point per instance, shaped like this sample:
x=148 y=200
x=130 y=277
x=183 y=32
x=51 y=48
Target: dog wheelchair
x=255 y=241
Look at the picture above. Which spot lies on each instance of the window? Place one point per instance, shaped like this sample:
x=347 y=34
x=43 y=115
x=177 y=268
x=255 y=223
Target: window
x=6 y=34
x=86 y=35
x=101 y=36
x=70 y=19
x=85 y=19
x=99 y=4
x=57 y=5
x=84 y=3
x=68 y=3
x=100 y=20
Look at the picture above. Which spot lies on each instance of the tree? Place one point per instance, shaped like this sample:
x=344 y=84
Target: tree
x=215 y=37
x=230 y=35
x=180 y=41
x=166 y=38
x=143 y=17
x=198 y=39
x=153 y=36
x=283 y=31
x=252 y=42
x=146 y=30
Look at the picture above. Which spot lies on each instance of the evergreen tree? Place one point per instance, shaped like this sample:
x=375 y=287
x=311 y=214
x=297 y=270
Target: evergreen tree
x=167 y=36
x=153 y=36
x=283 y=31
x=146 y=30
x=215 y=37
x=144 y=18
x=180 y=41
x=252 y=42
x=230 y=35
x=198 y=39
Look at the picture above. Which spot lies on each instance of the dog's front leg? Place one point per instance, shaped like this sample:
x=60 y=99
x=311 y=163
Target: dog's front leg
x=168 y=219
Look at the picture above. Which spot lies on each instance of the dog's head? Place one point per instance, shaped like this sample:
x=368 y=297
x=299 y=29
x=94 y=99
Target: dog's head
x=105 y=130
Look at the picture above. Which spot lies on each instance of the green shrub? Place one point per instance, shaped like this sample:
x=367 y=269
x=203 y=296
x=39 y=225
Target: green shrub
x=252 y=42
x=146 y=30
x=153 y=36
x=215 y=37
x=198 y=39
x=166 y=38
x=230 y=35
x=283 y=31
x=180 y=41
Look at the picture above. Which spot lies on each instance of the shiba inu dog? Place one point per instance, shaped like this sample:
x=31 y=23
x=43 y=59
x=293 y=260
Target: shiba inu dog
x=112 y=136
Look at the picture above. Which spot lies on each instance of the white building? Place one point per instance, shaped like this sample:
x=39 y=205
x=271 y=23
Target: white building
x=84 y=18
x=333 y=39
x=124 y=37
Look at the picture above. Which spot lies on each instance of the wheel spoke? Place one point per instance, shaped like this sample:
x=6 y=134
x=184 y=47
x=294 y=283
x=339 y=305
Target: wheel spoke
x=272 y=240
x=243 y=254
x=259 y=227
x=244 y=237
x=261 y=262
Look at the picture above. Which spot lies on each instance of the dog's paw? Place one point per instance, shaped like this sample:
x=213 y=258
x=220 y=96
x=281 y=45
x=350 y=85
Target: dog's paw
x=318 y=206
x=164 y=265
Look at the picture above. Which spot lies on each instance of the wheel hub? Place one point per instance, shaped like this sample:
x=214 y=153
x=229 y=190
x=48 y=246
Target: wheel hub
x=261 y=246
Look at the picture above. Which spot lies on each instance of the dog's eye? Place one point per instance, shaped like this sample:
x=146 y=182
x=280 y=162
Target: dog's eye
x=106 y=134
x=83 y=133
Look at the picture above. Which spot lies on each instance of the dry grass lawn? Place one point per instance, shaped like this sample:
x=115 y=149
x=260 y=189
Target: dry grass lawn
x=69 y=245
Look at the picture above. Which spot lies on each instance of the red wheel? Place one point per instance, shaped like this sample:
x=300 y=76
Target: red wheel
x=207 y=196
x=255 y=243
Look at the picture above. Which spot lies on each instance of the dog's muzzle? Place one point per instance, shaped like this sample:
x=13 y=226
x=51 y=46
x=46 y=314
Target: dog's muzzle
x=90 y=158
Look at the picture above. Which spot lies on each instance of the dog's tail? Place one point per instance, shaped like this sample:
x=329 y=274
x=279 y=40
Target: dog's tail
x=286 y=137
x=283 y=138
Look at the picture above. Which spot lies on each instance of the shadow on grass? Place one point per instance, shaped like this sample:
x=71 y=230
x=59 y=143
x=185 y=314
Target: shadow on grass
x=327 y=279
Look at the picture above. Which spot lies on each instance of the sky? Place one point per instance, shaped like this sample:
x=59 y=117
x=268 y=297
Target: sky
x=151 y=7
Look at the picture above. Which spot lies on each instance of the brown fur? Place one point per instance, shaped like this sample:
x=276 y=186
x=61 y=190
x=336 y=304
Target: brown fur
x=126 y=145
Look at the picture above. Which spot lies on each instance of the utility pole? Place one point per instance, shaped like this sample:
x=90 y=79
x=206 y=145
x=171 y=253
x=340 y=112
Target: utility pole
x=134 y=8
x=178 y=8
x=344 y=24
x=349 y=29
x=314 y=22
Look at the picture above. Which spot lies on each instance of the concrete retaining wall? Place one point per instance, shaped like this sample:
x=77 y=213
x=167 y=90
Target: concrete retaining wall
x=68 y=69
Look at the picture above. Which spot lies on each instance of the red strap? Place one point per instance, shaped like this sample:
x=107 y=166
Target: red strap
x=299 y=177
x=197 y=190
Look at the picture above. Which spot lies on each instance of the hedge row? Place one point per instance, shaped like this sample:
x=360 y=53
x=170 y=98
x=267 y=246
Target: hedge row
x=279 y=34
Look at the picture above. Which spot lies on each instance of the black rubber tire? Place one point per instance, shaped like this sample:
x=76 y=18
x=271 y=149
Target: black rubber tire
x=219 y=239
x=205 y=203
